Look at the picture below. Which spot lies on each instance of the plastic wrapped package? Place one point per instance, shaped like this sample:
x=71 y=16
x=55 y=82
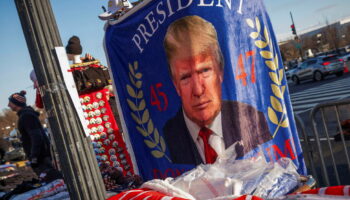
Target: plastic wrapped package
x=228 y=177
x=279 y=180
x=222 y=179
x=203 y=183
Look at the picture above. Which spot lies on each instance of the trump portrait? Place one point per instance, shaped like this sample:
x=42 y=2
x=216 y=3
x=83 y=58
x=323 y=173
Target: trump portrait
x=205 y=125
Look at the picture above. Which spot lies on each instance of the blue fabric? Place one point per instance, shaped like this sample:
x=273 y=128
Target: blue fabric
x=253 y=74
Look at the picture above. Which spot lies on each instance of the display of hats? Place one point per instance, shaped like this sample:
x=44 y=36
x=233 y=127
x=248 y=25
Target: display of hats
x=106 y=139
x=106 y=142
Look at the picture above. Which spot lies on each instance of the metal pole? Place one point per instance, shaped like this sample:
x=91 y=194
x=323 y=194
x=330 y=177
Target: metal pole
x=307 y=147
x=330 y=146
x=79 y=166
x=296 y=36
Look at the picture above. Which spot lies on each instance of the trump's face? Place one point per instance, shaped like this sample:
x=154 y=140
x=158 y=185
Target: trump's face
x=197 y=78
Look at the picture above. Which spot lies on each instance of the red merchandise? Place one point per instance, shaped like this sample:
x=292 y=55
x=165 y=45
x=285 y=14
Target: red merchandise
x=343 y=190
x=38 y=100
x=108 y=142
x=143 y=194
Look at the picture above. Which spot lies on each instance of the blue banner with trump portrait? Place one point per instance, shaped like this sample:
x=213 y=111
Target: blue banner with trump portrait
x=194 y=77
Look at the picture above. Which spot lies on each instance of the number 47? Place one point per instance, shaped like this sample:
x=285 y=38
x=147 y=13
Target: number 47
x=240 y=71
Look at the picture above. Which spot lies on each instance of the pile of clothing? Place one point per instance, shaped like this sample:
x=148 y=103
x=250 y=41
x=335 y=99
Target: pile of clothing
x=49 y=186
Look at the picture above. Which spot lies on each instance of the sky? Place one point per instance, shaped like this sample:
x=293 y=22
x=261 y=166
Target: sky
x=79 y=17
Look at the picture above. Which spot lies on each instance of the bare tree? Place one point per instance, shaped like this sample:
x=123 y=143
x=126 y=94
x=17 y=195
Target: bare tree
x=289 y=51
x=8 y=120
x=331 y=33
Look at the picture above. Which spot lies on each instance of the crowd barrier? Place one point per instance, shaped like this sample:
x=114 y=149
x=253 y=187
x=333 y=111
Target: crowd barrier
x=327 y=148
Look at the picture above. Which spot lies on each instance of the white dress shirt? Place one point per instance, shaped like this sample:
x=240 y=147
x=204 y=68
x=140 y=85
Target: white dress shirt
x=216 y=140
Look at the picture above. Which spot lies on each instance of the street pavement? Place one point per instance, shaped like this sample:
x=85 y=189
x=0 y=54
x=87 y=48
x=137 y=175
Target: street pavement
x=307 y=95
x=304 y=97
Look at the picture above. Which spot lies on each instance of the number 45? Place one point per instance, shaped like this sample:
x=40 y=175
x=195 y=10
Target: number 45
x=155 y=93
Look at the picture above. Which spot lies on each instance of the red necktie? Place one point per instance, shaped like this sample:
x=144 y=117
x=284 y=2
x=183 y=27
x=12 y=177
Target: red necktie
x=210 y=153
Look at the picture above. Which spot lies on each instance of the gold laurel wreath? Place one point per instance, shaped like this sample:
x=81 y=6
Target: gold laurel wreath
x=141 y=114
x=267 y=51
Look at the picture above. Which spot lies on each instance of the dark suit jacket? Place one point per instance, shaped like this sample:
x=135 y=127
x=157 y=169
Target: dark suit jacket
x=240 y=122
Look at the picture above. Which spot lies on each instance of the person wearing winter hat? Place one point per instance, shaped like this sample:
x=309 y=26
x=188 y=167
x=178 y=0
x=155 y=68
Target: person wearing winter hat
x=74 y=50
x=35 y=142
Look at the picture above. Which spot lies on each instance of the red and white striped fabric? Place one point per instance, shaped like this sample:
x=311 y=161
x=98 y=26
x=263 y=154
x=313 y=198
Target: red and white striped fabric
x=248 y=197
x=322 y=193
x=143 y=194
x=343 y=190
x=147 y=194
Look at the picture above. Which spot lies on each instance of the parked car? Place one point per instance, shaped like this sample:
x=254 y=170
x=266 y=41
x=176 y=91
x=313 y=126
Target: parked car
x=318 y=68
x=290 y=72
x=346 y=57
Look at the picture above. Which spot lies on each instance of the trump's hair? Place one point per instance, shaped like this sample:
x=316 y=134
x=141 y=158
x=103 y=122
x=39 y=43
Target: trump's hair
x=193 y=26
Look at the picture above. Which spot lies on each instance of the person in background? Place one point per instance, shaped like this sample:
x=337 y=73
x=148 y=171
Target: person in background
x=36 y=144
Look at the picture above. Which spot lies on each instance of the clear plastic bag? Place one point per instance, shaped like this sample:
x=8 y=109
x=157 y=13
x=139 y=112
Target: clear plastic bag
x=230 y=177
x=279 y=180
